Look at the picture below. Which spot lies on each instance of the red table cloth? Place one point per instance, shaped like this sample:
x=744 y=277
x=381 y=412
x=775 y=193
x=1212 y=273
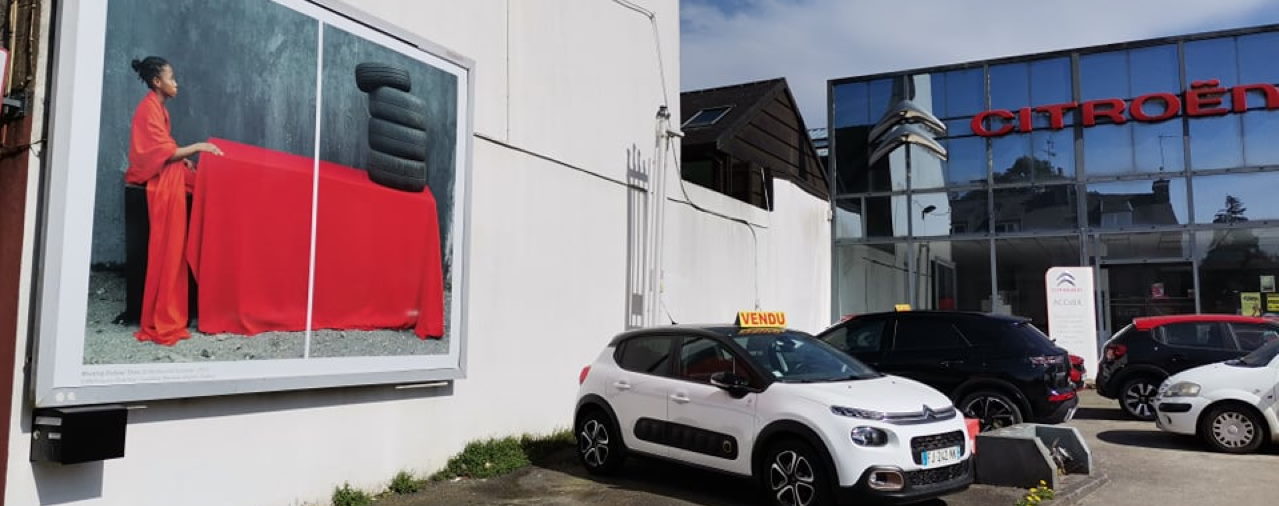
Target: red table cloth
x=377 y=250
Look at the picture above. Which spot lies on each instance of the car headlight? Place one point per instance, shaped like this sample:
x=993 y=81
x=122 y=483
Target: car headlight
x=869 y=436
x=1182 y=389
x=864 y=414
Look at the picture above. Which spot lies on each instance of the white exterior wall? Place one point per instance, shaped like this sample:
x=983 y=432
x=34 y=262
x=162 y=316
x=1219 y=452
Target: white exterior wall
x=562 y=91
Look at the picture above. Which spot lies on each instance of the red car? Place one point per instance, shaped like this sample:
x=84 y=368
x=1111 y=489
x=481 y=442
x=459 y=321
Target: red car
x=1077 y=371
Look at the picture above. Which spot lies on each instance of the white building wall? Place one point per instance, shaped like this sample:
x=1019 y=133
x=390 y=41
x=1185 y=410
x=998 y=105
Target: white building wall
x=562 y=91
x=711 y=267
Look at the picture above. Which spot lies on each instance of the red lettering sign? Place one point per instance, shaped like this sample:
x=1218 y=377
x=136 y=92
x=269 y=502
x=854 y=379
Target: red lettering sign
x=1172 y=106
x=1204 y=98
x=1239 y=96
x=1113 y=109
x=1056 y=113
x=979 y=123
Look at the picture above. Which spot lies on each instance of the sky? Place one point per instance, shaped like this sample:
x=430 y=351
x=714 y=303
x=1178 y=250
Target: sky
x=808 y=42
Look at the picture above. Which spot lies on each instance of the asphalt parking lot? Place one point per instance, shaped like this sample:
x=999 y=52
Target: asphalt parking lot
x=1138 y=465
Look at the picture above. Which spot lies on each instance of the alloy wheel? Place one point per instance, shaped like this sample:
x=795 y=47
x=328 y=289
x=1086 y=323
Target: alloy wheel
x=1232 y=429
x=792 y=479
x=993 y=412
x=593 y=443
x=1139 y=399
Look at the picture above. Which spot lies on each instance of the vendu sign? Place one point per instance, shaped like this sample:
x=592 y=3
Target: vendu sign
x=1204 y=98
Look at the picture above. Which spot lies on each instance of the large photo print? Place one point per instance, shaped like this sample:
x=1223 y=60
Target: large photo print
x=270 y=185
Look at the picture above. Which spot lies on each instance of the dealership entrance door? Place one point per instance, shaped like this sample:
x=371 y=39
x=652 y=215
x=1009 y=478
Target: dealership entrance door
x=1133 y=289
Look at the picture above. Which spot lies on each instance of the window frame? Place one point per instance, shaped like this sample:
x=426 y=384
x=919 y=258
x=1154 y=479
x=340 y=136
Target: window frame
x=723 y=111
x=897 y=332
x=620 y=353
x=1227 y=335
x=746 y=370
x=1268 y=327
x=847 y=327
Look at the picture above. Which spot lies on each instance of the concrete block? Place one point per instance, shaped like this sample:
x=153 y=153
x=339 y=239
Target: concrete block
x=1025 y=454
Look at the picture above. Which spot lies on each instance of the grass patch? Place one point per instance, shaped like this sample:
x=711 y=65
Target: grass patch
x=404 y=483
x=495 y=457
x=347 y=496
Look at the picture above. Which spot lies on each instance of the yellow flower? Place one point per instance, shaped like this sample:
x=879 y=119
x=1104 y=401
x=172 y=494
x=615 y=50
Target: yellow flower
x=1042 y=483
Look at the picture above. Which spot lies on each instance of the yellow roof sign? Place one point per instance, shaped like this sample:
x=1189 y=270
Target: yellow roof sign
x=902 y=307
x=757 y=319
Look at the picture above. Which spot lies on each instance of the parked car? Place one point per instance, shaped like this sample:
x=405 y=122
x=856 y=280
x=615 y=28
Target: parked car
x=811 y=424
x=1231 y=405
x=998 y=369
x=1143 y=354
x=1077 y=371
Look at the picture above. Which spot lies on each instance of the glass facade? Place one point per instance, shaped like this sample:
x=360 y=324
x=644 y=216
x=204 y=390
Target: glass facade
x=1165 y=196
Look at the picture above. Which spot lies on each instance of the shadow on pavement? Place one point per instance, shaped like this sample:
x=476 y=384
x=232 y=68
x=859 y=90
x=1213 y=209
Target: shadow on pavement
x=1112 y=414
x=674 y=481
x=1151 y=439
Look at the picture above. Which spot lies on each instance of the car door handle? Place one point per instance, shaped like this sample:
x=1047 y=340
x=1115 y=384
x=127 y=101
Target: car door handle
x=622 y=385
x=681 y=398
x=951 y=363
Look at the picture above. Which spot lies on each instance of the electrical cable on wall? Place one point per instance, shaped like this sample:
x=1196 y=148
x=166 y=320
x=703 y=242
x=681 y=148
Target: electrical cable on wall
x=664 y=131
x=749 y=226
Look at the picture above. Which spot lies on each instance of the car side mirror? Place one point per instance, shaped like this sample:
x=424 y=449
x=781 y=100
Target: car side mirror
x=735 y=385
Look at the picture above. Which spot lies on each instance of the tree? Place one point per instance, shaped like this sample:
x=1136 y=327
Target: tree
x=1233 y=213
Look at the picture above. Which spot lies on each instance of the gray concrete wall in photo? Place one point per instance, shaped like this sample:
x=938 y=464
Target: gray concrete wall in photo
x=344 y=115
x=245 y=70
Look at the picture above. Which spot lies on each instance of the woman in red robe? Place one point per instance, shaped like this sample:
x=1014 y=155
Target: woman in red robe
x=166 y=169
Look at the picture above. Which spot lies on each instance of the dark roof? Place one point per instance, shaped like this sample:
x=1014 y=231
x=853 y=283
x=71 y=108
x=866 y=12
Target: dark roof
x=763 y=126
x=966 y=314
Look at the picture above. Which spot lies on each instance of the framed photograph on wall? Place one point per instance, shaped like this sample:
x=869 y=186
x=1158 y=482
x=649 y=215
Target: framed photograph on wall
x=265 y=195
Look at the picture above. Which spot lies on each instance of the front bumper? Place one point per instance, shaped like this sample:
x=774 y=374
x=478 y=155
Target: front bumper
x=1179 y=415
x=920 y=485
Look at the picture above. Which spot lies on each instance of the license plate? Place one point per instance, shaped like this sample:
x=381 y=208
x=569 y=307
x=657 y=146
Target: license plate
x=938 y=457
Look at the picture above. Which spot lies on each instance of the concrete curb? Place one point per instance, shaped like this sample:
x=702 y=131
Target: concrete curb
x=1082 y=490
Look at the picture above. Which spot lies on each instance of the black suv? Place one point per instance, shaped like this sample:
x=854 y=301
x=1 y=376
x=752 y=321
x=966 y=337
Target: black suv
x=1138 y=358
x=999 y=369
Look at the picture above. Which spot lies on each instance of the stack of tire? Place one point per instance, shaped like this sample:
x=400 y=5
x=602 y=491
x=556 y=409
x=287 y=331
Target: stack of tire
x=397 y=127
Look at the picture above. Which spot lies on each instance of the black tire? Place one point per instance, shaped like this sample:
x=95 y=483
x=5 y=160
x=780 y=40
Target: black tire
x=994 y=409
x=599 y=443
x=397 y=140
x=1233 y=428
x=382 y=162
x=398 y=107
x=398 y=182
x=371 y=76
x=795 y=474
x=1137 y=397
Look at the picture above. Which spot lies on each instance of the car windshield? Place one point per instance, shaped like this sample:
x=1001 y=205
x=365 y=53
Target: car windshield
x=792 y=357
x=1262 y=356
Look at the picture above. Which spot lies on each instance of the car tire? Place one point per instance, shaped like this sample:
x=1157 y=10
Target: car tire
x=1233 y=428
x=599 y=443
x=398 y=182
x=382 y=162
x=398 y=107
x=795 y=474
x=994 y=409
x=1136 y=397
x=371 y=76
x=398 y=140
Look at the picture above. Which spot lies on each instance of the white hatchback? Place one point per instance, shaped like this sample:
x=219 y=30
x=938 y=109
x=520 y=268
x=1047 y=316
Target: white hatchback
x=813 y=425
x=1231 y=405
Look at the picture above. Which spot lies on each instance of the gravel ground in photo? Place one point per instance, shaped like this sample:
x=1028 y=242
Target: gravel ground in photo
x=108 y=343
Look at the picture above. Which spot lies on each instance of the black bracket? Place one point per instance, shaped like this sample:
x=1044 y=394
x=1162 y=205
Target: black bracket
x=15 y=107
